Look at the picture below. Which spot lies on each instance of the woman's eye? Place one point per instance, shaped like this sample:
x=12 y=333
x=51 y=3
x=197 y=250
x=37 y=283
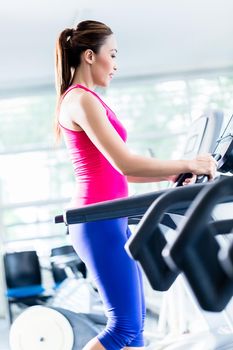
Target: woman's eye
x=113 y=56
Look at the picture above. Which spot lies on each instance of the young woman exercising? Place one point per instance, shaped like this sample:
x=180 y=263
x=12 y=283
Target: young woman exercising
x=103 y=166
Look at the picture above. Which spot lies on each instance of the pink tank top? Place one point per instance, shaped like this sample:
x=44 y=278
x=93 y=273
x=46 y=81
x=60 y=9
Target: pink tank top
x=96 y=179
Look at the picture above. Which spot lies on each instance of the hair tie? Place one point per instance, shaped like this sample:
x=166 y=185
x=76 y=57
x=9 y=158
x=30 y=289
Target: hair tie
x=69 y=33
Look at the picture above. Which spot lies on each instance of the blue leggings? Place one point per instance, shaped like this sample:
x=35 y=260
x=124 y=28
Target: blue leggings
x=118 y=278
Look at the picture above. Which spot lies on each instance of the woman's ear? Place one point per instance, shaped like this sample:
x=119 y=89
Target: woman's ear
x=89 y=56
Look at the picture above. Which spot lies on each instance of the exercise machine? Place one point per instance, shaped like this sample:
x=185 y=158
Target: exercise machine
x=194 y=253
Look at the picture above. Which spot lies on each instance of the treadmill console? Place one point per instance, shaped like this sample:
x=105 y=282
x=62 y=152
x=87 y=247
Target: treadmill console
x=224 y=147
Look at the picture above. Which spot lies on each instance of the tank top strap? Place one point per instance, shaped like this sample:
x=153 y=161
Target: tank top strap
x=86 y=89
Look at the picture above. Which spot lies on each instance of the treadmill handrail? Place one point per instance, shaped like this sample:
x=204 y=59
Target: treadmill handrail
x=126 y=207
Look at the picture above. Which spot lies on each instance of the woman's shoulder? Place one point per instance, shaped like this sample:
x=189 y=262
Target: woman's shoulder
x=81 y=102
x=73 y=94
x=82 y=96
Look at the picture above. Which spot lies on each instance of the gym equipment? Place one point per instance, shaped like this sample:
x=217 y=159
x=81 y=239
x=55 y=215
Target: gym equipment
x=218 y=339
x=41 y=328
x=77 y=295
x=23 y=280
x=223 y=153
x=149 y=241
x=65 y=261
x=46 y=328
x=208 y=269
x=203 y=134
x=149 y=244
x=69 y=327
x=197 y=252
x=201 y=138
x=225 y=148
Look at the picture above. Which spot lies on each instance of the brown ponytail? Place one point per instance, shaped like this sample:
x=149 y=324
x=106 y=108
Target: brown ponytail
x=69 y=47
x=63 y=72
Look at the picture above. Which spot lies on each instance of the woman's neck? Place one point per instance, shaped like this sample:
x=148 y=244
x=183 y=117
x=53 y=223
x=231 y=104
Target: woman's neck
x=83 y=78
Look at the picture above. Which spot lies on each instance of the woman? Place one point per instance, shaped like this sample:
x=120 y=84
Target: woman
x=103 y=165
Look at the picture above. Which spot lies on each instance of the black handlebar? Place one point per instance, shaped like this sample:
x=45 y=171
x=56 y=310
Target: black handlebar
x=119 y=208
x=200 y=178
x=196 y=249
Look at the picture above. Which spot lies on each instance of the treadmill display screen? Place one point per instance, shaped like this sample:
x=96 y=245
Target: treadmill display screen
x=190 y=146
x=223 y=145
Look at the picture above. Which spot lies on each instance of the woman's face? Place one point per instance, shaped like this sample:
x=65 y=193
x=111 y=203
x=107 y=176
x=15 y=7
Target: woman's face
x=104 y=65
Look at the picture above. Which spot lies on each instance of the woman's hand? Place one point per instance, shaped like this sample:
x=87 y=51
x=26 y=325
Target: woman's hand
x=190 y=180
x=203 y=164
